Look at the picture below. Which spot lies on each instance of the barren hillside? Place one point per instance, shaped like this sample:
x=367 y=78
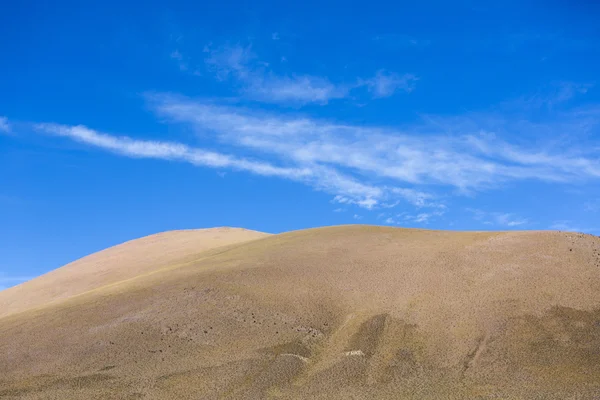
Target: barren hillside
x=337 y=312
x=118 y=263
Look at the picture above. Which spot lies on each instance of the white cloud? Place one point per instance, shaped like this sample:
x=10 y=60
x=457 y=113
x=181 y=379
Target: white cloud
x=367 y=203
x=385 y=84
x=369 y=167
x=240 y=62
x=320 y=177
x=552 y=95
x=466 y=160
x=424 y=217
x=421 y=218
x=259 y=83
x=356 y=216
x=4 y=125
x=416 y=197
x=297 y=89
x=509 y=220
x=168 y=151
x=230 y=60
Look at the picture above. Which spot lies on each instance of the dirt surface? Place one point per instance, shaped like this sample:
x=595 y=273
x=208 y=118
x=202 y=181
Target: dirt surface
x=128 y=260
x=346 y=312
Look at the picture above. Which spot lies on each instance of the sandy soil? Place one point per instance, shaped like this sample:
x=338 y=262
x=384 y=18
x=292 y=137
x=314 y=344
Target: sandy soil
x=338 y=312
x=125 y=261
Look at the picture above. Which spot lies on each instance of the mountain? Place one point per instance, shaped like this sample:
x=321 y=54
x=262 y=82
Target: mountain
x=337 y=312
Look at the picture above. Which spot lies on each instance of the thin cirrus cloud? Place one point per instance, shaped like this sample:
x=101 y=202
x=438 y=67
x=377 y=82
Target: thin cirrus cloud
x=260 y=83
x=320 y=177
x=469 y=160
x=368 y=167
x=385 y=84
x=347 y=189
x=419 y=218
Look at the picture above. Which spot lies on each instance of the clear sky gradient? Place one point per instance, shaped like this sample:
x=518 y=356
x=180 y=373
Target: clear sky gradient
x=119 y=120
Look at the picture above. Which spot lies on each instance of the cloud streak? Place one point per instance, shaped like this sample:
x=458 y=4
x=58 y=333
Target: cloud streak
x=167 y=151
x=471 y=160
x=262 y=84
x=369 y=167
x=320 y=177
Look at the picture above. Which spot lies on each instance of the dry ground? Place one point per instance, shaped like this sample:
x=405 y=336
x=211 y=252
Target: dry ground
x=340 y=312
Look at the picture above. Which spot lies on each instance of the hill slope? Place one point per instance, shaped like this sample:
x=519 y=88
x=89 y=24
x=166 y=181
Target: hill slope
x=339 y=312
x=118 y=263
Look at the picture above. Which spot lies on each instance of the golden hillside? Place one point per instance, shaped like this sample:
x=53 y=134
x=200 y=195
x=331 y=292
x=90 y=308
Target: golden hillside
x=338 y=312
x=118 y=263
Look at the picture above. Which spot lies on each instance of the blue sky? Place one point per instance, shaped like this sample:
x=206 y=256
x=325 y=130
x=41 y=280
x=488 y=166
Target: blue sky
x=118 y=121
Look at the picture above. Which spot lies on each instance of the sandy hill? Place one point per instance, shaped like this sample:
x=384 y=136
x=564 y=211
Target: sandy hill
x=338 y=312
x=118 y=263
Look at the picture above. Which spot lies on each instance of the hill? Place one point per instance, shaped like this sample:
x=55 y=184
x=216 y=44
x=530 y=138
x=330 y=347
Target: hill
x=337 y=312
x=118 y=263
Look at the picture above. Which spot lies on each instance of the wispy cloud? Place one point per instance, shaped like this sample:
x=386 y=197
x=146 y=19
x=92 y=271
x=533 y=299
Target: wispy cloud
x=507 y=219
x=261 y=83
x=367 y=203
x=497 y=218
x=385 y=84
x=421 y=218
x=230 y=61
x=295 y=89
x=4 y=125
x=552 y=95
x=167 y=151
x=468 y=160
x=320 y=177
x=369 y=167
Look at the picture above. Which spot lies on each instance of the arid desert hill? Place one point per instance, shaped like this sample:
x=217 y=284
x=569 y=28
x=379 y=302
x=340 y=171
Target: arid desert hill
x=337 y=312
x=118 y=263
